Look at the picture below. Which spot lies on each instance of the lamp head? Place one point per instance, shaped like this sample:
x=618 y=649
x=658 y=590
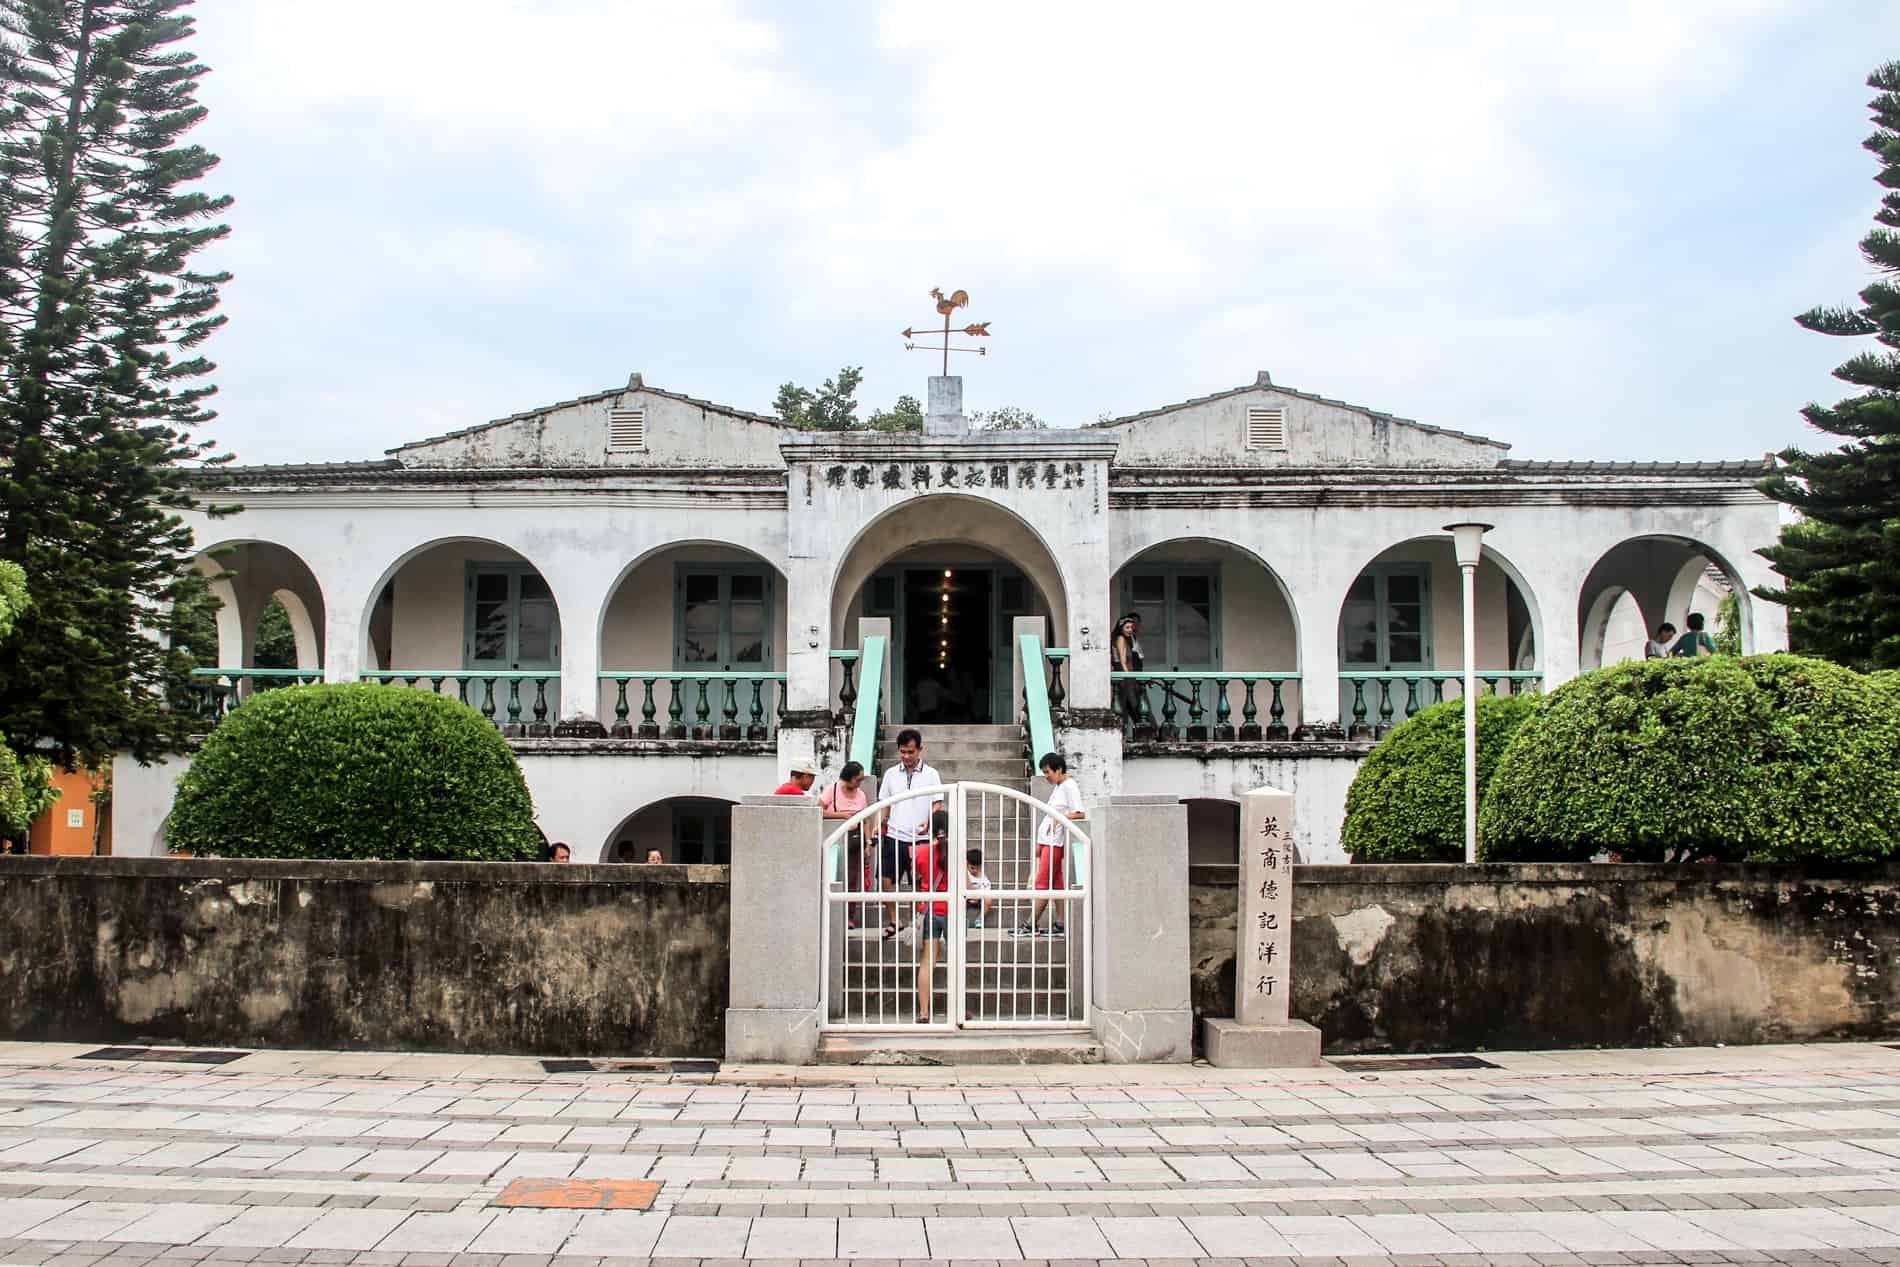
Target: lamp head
x=1466 y=542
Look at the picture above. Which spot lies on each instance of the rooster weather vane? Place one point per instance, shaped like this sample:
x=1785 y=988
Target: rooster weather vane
x=947 y=304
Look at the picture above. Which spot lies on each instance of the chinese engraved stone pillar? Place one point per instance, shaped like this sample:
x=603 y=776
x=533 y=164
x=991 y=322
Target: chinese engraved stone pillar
x=1262 y=1035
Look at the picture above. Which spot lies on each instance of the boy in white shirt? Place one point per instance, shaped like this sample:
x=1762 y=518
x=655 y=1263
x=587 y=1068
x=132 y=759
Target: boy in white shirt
x=1052 y=840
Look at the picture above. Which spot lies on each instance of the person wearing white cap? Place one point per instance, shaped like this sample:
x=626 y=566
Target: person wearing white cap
x=798 y=780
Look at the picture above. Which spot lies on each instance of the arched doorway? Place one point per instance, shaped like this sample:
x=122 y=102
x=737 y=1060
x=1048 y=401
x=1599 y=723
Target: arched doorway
x=1211 y=607
x=472 y=618
x=685 y=829
x=1640 y=584
x=1401 y=632
x=951 y=574
x=694 y=607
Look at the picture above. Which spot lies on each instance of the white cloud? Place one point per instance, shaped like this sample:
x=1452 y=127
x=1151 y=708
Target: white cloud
x=1444 y=211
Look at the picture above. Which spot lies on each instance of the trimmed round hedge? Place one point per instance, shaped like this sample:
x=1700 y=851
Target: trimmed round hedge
x=356 y=770
x=1407 y=803
x=1768 y=758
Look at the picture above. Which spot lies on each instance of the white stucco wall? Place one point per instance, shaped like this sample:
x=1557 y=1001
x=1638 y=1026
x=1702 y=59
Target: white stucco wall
x=1318 y=433
x=679 y=433
x=1318 y=784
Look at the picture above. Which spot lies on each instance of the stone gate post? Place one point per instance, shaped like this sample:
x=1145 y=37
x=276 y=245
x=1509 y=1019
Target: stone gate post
x=1141 y=997
x=772 y=1012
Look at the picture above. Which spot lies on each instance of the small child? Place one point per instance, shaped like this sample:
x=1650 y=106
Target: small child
x=931 y=865
x=975 y=910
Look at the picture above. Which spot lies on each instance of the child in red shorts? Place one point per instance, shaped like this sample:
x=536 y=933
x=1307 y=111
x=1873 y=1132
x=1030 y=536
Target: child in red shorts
x=1052 y=840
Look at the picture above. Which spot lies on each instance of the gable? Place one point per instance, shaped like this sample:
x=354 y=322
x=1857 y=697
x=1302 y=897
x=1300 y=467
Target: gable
x=1266 y=426
x=637 y=427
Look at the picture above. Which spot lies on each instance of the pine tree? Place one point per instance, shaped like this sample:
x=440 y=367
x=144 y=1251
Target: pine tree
x=101 y=316
x=1841 y=559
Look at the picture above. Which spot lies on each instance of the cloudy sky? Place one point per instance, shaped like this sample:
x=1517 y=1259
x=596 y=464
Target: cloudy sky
x=1584 y=234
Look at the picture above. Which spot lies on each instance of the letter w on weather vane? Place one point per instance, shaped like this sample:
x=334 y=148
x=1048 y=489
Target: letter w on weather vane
x=947 y=304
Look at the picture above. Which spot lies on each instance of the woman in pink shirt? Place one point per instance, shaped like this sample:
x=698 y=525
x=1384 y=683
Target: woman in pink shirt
x=843 y=800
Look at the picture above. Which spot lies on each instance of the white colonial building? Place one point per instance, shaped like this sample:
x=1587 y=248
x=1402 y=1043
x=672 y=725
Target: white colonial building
x=663 y=600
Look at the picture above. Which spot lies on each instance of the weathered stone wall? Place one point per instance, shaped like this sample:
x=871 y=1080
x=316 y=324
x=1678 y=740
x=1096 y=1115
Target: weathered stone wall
x=484 y=957
x=1452 y=958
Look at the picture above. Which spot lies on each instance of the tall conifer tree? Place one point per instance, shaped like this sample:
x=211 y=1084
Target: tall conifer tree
x=1841 y=560
x=101 y=316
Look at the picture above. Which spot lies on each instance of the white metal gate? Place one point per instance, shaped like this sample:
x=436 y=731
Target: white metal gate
x=958 y=955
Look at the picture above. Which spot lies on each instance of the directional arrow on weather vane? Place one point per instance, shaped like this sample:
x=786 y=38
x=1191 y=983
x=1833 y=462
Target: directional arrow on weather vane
x=947 y=304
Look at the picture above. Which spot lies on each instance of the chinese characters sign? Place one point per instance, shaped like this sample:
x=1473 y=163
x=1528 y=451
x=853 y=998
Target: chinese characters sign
x=1264 y=935
x=951 y=476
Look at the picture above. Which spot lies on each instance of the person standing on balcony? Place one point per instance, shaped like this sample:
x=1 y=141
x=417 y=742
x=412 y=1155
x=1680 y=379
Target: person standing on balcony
x=906 y=823
x=1124 y=656
x=1696 y=642
x=1657 y=648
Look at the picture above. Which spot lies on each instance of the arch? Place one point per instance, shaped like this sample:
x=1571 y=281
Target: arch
x=245 y=575
x=641 y=830
x=1187 y=539
x=951 y=519
x=303 y=627
x=1662 y=574
x=685 y=549
x=1213 y=827
x=438 y=606
x=1447 y=589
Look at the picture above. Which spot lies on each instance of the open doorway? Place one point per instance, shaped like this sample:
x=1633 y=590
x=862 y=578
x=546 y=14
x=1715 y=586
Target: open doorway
x=949 y=645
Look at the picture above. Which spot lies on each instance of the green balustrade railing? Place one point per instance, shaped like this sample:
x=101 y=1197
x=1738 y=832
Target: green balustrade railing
x=1400 y=693
x=215 y=692
x=727 y=705
x=1038 y=716
x=1202 y=706
x=523 y=702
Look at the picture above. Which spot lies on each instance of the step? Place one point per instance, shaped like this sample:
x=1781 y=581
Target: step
x=949 y=734
x=1029 y=1045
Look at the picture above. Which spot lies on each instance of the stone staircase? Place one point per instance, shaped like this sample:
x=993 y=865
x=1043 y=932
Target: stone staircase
x=1020 y=980
x=984 y=754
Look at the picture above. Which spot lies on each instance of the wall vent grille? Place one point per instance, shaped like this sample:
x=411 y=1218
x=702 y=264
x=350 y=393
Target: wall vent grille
x=1266 y=428
x=626 y=430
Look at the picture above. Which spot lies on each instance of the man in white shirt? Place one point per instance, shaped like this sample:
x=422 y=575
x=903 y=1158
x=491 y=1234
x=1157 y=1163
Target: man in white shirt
x=1052 y=840
x=906 y=823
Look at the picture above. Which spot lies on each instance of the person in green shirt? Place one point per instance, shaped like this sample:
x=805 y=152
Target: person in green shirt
x=1696 y=642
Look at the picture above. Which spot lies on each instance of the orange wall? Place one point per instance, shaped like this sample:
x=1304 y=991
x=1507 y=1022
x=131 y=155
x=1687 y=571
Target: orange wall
x=53 y=831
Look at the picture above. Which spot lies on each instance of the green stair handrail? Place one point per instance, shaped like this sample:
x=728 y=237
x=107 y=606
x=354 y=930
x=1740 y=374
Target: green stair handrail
x=869 y=702
x=1042 y=730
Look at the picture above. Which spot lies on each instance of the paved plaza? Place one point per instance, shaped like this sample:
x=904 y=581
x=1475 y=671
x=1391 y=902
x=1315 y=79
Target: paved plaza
x=1752 y=1155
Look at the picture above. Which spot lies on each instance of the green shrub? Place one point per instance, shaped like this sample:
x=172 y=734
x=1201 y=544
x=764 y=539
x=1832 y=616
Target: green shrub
x=26 y=792
x=1407 y=803
x=360 y=770
x=1771 y=757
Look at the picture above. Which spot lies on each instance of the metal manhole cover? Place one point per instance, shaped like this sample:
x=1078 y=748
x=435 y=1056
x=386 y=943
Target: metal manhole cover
x=630 y=1066
x=1403 y=1064
x=166 y=1055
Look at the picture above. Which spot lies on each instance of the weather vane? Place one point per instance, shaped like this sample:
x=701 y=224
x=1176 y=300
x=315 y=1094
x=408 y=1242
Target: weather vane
x=947 y=304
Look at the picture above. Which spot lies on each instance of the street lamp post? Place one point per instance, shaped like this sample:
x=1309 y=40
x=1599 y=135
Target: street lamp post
x=1467 y=542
